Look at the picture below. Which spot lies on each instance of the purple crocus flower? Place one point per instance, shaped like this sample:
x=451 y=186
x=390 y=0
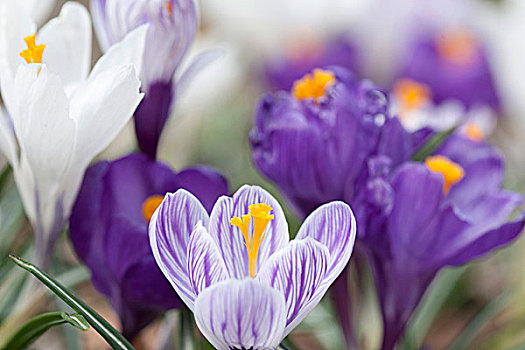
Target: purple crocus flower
x=280 y=72
x=358 y=153
x=172 y=28
x=109 y=225
x=236 y=269
x=454 y=65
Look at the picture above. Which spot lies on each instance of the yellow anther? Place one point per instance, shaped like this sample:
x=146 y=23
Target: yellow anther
x=314 y=85
x=474 y=132
x=34 y=52
x=150 y=205
x=259 y=216
x=411 y=94
x=457 y=46
x=452 y=172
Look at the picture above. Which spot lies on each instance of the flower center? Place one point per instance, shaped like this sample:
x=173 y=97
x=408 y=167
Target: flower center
x=252 y=226
x=150 y=205
x=411 y=94
x=452 y=172
x=474 y=132
x=34 y=52
x=313 y=85
x=457 y=46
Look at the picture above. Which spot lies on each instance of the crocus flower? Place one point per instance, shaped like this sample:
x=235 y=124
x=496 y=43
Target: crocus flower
x=247 y=285
x=109 y=230
x=281 y=71
x=454 y=64
x=173 y=24
x=59 y=114
x=361 y=154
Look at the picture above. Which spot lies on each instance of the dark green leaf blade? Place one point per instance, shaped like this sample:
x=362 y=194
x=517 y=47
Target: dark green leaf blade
x=37 y=326
x=110 y=334
x=429 y=147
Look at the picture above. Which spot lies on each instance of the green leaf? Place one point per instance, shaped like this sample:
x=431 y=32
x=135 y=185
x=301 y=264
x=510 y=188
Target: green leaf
x=33 y=329
x=429 y=147
x=480 y=320
x=110 y=334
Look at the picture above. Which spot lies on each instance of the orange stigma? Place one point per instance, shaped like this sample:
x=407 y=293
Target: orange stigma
x=457 y=46
x=169 y=6
x=411 y=94
x=452 y=172
x=314 y=85
x=150 y=205
x=34 y=52
x=253 y=234
x=474 y=132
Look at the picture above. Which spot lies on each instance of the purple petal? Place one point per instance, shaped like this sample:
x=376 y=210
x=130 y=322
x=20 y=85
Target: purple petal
x=169 y=231
x=205 y=183
x=230 y=240
x=297 y=272
x=334 y=226
x=205 y=264
x=243 y=314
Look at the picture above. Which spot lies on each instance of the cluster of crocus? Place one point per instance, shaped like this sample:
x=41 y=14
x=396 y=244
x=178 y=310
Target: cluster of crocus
x=58 y=115
x=236 y=269
x=413 y=218
x=172 y=28
x=109 y=230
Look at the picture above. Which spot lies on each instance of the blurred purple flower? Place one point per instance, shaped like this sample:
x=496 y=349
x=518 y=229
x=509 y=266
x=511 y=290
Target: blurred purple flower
x=341 y=144
x=280 y=72
x=109 y=226
x=454 y=65
x=247 y=285
x=172 y=28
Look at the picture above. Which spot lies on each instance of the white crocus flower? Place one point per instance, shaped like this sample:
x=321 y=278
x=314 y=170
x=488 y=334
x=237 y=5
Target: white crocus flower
x=60 y=115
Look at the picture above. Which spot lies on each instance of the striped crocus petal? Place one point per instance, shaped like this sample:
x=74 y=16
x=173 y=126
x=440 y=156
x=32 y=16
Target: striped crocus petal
x=241 y=314
x=333 y=225
x=205 y=264
x=230 y=240
x=297 y=271
x=170 y=229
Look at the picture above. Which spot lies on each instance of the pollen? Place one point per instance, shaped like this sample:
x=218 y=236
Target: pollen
x=452 y=172
x=411 y=94
x=34 y=52
x=150 y=205
x=457 y=46
x=474 y=132
x=252 y=226
x=169 y=7
x=314 y=85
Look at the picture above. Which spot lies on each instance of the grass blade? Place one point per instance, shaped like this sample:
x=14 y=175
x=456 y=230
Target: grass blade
x=429 y=147
x=33 y=329
x=110 y=334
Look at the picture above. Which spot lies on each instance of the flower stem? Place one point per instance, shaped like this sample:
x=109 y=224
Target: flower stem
x=186 y=330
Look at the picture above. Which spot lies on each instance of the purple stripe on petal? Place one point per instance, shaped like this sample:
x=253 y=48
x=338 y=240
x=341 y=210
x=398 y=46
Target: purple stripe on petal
x=334 y=226
x=297 y=271
x=243 y=314
x=229 y=239
x=205 y=264
x=170 y=230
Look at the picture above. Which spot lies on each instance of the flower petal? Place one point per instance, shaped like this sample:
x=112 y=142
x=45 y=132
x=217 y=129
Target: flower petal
x=169 y=232
x=205 y=264
x=230 y=240
x=241 y=315
x=128 y=51
x=334 y=226
x=8 y=146
x=297 y=271
x=68 y=44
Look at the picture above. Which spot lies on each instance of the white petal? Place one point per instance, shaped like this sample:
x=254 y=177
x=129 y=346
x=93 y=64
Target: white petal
x=243 y=314
x=128 y=51
x=43 y=128
x=68 y=43
x=8 y=145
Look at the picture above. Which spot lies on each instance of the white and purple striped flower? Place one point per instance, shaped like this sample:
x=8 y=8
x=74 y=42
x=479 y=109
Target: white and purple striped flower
x=236 y=269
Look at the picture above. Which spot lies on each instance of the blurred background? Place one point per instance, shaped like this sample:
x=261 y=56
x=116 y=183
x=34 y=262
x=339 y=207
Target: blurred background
x=267 y=45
